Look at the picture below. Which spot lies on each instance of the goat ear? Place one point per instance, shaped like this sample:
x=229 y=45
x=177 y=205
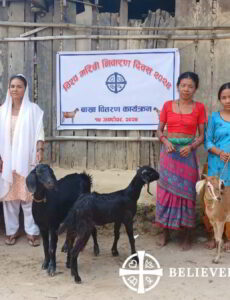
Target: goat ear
x=31 y=181
x=200 y=187
x=204 y=176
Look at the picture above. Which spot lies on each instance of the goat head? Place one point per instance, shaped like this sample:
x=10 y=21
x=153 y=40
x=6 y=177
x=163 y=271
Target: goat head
x=148 y=175
x=41 y=174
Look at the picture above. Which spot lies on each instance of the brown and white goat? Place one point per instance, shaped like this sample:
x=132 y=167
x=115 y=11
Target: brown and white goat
x=216 y=198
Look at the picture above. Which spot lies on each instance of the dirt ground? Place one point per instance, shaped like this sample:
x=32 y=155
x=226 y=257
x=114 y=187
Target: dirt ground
x=21 y=277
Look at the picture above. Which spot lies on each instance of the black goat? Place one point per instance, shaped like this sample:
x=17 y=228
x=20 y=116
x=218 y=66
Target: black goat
x=99 y=209
x=52 y=201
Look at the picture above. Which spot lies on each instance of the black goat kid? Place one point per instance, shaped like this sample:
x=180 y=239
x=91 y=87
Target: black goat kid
x=99 y=209
x=52 y=200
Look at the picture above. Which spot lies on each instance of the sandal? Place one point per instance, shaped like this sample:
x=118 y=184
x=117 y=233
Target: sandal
x=11 y=239
x=33 y=240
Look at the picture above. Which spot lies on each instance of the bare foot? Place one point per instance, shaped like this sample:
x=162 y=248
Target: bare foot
x=210 y=244
x=227 y=246
x=187 y=241
x=163 y=238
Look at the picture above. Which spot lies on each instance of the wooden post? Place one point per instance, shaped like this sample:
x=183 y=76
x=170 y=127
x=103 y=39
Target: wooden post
x=67 y=150
x=123 y=20
x=185 y=17
x=44 y=77
x=92 y=132
x=121 y=148
x=29 y=54
x=80 y=148
x=133 y=150
x=104 y=152
x=16 y=50
x=56 y=48
x=3 y=57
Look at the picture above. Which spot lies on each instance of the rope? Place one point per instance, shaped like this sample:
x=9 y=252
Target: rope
x=224 y=167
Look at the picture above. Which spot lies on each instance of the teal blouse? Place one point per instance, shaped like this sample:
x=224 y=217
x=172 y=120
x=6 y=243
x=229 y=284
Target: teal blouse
x=218 y=135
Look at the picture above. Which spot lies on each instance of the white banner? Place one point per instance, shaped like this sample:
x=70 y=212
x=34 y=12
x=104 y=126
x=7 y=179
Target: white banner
x=115 y=90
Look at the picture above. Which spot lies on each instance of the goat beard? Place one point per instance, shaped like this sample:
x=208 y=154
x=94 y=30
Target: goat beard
x=148 y=189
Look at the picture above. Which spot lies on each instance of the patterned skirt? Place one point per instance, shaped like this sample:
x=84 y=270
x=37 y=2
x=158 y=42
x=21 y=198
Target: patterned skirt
x=176 y=194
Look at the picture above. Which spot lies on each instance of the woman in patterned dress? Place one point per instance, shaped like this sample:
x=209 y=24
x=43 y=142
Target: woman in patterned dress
x=176 y=194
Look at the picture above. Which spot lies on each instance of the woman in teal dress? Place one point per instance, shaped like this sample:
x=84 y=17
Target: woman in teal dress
x=217 y=143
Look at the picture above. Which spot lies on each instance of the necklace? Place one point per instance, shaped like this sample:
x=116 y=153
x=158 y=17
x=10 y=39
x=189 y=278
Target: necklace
x=181 y=117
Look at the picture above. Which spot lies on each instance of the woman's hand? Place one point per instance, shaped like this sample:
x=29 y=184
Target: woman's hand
x=225 y=156
x=40 y=151
x=40 y=155
x=185 y=151
x=169 y=146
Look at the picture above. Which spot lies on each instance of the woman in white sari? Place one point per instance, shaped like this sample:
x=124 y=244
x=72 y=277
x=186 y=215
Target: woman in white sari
x=21 y=147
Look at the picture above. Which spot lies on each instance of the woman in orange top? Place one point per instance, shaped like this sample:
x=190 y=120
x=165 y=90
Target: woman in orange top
x=176 y=195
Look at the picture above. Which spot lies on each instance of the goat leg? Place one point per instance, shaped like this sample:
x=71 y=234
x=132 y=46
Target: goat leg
x=96 y=249
x=129 y=230
x=52 y=252
x=70 y=237
x=64 y=248
x=79 y=246
x=45 y=240
x=218 y=233
x=117 y=226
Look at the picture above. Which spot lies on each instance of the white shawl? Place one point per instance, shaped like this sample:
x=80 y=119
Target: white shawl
x=21 y=155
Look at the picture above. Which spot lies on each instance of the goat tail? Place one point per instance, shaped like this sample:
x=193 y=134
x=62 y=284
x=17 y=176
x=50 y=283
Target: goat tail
x=88 y=182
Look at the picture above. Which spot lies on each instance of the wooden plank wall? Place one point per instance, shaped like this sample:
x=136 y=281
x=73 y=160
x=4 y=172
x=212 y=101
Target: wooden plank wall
x=208 y=58
x=37 y=60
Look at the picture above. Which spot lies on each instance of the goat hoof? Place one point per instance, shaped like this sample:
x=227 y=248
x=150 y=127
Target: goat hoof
x=96 y=250
x=64 y=248
x=45 y=265
x=136 y=259
x=77 y=279
x=51 y=271
x=215 y=261
x=115 y=252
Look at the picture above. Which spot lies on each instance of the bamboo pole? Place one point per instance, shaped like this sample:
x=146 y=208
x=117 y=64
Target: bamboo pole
x=32 y=31
x=86 y=3
x=101 y=138
x=120 y=28
x=121 y=37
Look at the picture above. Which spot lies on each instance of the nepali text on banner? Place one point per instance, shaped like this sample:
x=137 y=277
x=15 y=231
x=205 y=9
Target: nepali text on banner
x=115 y=90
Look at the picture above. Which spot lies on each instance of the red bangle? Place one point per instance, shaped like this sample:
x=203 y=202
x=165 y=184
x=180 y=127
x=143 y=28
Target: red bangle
x=161 y=138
